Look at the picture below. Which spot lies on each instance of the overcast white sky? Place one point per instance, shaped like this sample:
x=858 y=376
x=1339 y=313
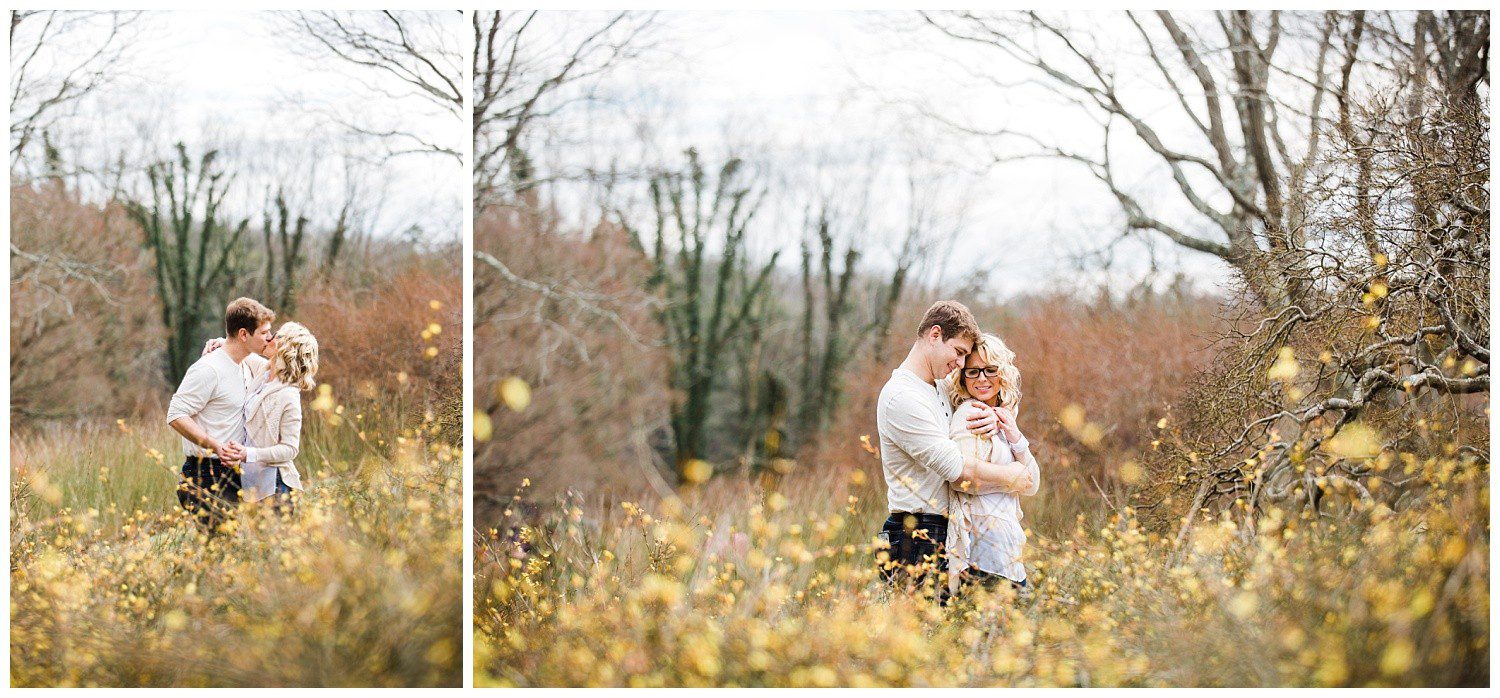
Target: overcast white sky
x=786 y=89
x=793 y=88
x=227 y=80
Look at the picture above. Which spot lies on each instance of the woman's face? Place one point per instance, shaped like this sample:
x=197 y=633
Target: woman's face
x=269 y=351
x=982 y=386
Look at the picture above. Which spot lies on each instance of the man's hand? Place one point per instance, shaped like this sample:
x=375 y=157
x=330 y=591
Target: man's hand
x=983 y=423
x=1007 y=424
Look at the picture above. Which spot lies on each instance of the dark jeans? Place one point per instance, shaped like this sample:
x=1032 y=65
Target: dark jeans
x=281 y=501
x=209 y=490
x=915 y=557
x=988 y=580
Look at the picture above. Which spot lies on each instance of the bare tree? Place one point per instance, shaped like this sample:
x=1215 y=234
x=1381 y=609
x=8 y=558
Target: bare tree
x=1388 y=344
x=526 y=71
x=398 y=56
x=196 y=249
x=847 y=310
x=1338 y=162
x=1249 y=98
x=708 y=302
x=352 y=215
x=56 y=59
x=566 y=308
x=283 y=237
x=85 y=289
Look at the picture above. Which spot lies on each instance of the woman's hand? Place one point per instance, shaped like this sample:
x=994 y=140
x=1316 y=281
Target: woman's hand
x=212 y=345
x=1006 y=420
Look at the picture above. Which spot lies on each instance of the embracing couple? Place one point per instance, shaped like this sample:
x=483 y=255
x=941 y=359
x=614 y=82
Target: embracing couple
x=955 y=462
x=239 y=412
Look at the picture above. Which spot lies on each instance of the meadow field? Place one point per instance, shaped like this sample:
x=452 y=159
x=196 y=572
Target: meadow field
x=131 y=230
x=730 y=585
x=112 y=586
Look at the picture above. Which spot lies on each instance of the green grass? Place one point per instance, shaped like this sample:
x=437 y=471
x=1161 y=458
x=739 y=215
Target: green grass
x=90 y=466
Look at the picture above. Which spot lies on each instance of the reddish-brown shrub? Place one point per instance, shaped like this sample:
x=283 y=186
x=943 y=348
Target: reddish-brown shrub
x=376 y=342
x=588 y=346
x=85 y=326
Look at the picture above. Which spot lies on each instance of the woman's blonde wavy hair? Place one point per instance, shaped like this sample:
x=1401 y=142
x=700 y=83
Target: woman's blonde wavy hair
x=296 y=359
x=993 y=352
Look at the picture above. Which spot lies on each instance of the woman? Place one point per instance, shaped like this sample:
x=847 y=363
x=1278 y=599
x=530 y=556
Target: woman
x=273 y=417
x=985 y=538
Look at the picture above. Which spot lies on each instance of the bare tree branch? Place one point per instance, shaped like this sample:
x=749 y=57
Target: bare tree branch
x=398 y=55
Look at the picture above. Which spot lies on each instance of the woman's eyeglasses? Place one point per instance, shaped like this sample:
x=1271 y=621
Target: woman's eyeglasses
x=988 y=371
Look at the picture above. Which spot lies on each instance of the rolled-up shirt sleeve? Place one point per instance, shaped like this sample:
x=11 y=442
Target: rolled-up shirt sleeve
x=196 y=390
x=923 y=436
x=1024 y=449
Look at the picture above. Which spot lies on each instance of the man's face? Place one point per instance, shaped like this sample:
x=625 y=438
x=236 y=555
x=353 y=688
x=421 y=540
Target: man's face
x=257 y=342
x=958 y=348
x=947 y=355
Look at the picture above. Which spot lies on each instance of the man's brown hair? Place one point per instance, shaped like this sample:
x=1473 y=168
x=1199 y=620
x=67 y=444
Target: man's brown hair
x=245 y=314
x=953 y=318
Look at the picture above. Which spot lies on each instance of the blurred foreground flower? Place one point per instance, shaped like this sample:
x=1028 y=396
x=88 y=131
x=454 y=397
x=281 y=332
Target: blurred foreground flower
x=697 y=471
x=1354 y=441
x=1286 y=366
x=324 y=401
x=1088 y=433
x=515 y=393
x=483 y=427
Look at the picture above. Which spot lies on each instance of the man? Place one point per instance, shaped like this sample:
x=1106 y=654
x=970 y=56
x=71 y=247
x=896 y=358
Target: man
x=917 y=455
x=208 y=411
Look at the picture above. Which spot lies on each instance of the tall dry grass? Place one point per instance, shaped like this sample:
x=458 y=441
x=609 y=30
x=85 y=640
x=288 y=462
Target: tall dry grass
x=726 y=587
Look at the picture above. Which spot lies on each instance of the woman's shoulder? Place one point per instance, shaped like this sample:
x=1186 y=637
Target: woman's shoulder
x=280 y=396
x=961 y=413
x=966 y=408
x=289 y=395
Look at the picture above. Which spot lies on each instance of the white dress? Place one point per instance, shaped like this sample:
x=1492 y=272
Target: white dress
x=984 y=530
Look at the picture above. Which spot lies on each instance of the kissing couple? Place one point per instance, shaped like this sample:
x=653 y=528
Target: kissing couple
x=239 y=412
x=956 y=464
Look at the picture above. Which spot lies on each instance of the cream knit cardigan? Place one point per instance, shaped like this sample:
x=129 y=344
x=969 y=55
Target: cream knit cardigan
x=273 y=426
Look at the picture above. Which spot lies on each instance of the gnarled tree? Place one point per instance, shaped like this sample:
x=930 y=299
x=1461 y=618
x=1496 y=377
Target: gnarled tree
x=196 y=250
x=57 y=58
x=530 y=66
x=405 y=57
x=283 y=238
x=1248 y=98
x=709 y=301
x=1385 y=362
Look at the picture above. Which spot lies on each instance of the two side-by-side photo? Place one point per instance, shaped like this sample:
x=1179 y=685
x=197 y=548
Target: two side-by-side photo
x=507 y=349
